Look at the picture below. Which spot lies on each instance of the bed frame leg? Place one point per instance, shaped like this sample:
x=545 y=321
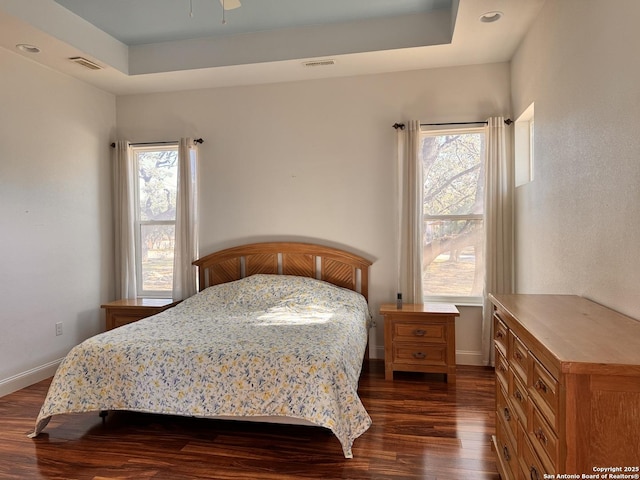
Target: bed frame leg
x=103 y=415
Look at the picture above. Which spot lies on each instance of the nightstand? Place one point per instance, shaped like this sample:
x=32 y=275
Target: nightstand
x=128 y=310
x=420 y=338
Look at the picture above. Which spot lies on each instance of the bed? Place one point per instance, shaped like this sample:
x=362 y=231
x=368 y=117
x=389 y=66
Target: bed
x=277 y=332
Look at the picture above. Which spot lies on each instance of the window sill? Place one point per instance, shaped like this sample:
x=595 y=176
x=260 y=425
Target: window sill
x=457 y=301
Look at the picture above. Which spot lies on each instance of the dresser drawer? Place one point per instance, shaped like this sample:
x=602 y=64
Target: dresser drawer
x=500 y=332
x=544 y=441
x=518 y=357
x=506 y=451
x=419 y=354
x=419 y=332
x=543 y=388
x=531 y=466
x=518 y=398
x=505 y=413
x=502 y=370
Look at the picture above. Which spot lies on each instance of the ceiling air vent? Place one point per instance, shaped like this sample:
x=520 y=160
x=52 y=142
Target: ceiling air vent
x=85 y=63
x=319 y=63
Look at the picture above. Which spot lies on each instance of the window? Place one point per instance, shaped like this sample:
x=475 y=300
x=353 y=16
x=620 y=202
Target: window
x=453 y=207
x=524 y=134
x=156 y=185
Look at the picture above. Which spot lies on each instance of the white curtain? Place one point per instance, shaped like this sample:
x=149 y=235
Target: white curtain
x=410 y=215
x=123 y=208
x=186 y=244
x=499 y=277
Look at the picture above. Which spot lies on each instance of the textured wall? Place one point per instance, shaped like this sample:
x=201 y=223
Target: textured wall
x=315 y=160
x=578 y=222
x=55 y=216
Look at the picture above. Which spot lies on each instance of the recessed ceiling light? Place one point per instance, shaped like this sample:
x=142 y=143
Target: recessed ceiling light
x=25 y=47
x=490 y=17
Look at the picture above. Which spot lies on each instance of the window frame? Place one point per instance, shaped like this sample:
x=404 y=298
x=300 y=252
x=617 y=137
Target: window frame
x=461 y=300
x=524 y=135
x=139 y=224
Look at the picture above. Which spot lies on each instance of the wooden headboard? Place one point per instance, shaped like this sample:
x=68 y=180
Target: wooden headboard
x=329 y=264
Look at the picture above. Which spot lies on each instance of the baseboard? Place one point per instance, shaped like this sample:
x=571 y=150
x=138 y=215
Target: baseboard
x=24 y=379
x=469 y=357
x=376 y=352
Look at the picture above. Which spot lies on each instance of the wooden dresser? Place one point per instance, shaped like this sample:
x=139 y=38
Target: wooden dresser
x=420 y=338
x=567 y=388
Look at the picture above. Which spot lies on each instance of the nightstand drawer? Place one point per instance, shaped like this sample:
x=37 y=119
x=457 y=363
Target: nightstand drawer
x=418 y=331
x=417 y=354
x=119 y=319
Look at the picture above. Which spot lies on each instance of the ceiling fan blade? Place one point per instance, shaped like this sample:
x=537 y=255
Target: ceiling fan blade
x=230 y=4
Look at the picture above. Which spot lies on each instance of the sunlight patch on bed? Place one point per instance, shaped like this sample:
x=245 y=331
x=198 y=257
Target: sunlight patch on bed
x=283 y=316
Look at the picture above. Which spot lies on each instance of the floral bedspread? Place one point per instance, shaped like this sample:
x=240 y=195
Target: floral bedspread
x=267 y=345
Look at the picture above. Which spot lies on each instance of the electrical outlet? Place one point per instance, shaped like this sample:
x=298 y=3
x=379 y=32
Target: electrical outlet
x=58 y=329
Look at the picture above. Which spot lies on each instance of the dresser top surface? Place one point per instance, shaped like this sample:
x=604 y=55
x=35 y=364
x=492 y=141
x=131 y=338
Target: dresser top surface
x=579 y=333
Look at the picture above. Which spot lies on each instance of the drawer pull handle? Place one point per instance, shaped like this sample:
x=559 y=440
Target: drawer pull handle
x=519 y=396
x=502 y=368
x=507 y=414
x=499 y=335
x=533 y=473
x=506 y=454
x=540 y=385
x=541 y=436
x=419 y=333
x=518 y=356
x=419 y=355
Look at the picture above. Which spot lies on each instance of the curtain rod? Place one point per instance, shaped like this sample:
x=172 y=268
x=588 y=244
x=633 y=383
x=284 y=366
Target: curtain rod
x=400 y=126
x=197 y=140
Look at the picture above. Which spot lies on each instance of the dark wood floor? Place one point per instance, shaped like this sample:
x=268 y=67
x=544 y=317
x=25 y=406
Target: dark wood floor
x=422 y=429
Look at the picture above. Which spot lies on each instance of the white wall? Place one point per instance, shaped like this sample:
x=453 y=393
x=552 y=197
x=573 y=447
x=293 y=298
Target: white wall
x=315 y=160
x=55 y=216
x=578 y=222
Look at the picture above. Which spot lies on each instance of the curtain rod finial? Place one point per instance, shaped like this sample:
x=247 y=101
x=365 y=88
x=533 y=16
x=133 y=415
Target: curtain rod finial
x=398 y=126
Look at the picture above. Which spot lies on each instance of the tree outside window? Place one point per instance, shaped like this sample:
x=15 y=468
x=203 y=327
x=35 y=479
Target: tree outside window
x=156 y=190
x=453 y=207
